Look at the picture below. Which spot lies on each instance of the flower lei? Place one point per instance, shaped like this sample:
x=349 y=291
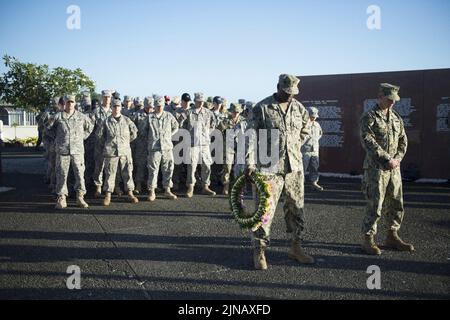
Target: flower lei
x=261 y=215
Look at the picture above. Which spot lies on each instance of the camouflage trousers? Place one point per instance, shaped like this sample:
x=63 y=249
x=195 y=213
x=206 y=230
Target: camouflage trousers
x=50 y=156
x=89 y=161
x=63 y=163
x=384 y=194
x=199 y=154
x=118 y=166
x=228 y=166
x=140 y=162
x=311 y=165
x=99 y=167
x=157 y=159
x=294 y=213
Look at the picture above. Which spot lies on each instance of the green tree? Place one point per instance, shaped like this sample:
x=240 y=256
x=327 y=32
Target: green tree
x=31 y=86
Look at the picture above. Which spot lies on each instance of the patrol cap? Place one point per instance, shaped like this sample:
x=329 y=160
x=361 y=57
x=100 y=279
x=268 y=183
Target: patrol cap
x=149 y=100
x=241 y=101
x=54 y=100
x=199 y=97
x=176 y=100
x=218 y=100
x=159 y=101
x=210 y=99
x=390 y=91
x=106 y=93
x=138 y=101
x=186 y=97
x=313 y=112
x=117 y=102
x=289 y=83
x=235 y=107
x=69 y=97
x=86 y=94
x=249 y=104
x=127 y=98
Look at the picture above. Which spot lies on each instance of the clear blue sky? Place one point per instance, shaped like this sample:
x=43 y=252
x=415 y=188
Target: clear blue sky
x=231 y=48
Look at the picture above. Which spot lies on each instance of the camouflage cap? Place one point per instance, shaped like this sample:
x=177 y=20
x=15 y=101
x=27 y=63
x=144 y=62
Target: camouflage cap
x=127 y=98
x=54 y=100
x=69 y=97
x=138 y=101
x=86 y=94
x=390 y=91
x=149 y=100
x=249 y=104
x=117 y=102
x=313 y=112
x=159 y=101
x=176 y=100
x=241 y=101
x=106 y=93
x=289 y=83
x=218 y=100
x=199 y=97
x=210 y=99
x=236 y=107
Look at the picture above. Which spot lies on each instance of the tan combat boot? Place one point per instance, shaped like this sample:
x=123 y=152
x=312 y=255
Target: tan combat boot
x=98 y=192
x=208 y=191
x=316 y=186
x=132 y=198
x=296 y=252
x=151 y=195
x=225 y=188
x=369 y=246
x=395 y=242
x=80 y=201
x=169 y=194
x=61 y=202
x=107 y=200
x=190 y=191
x=259 y=258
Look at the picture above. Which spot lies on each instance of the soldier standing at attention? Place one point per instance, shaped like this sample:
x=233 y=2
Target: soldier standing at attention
x=284 y=113
x=99 y=116
x=157 y=131
x=116 y=134
x=199 y=122
x=383 y=137
x=310 y=149
x=71 y=128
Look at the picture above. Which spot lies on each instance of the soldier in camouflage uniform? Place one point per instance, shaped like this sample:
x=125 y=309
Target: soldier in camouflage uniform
x=233 y=126
x=127 y=105
x=157 y=131
x=199 y=122
x=284 y=113
x=310 y=149
x=384 y=139
x=48 y=137
x=115 y=135
x=220 y=115
x=140 y=146
x=98 y=116
x=180 y=114
x=71 y=128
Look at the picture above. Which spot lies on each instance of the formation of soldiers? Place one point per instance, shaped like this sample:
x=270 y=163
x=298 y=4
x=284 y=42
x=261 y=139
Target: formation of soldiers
x=120 y=145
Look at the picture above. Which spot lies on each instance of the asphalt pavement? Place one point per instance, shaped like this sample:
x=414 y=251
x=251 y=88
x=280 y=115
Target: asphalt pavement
x=193 y=249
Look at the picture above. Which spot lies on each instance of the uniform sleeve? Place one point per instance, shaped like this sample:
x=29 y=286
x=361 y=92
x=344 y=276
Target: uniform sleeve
x=143 y=128
x=88 y=127
x=213 y=120
x=369 y=142
x=133 y=130
x=100 y=133
x=174 y=124
x=305 y=132
x=402 y=143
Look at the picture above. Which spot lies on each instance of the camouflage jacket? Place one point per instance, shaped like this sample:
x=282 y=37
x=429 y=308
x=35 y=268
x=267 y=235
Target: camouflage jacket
x=199 y=123
x=292 y=130
x=158 y=131
x=115 y=136
x=383 y=137
x=70 y=132
x=232 y=130
x=311 y=143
